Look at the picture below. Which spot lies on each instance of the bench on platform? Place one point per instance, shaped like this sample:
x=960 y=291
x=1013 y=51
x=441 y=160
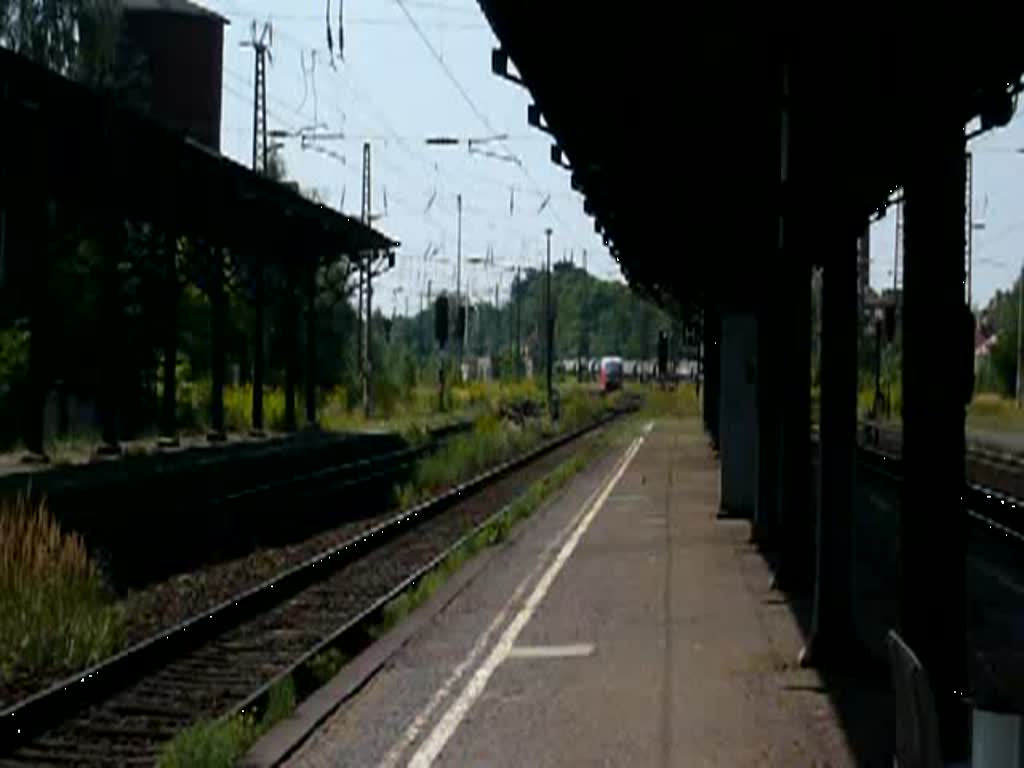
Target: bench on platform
x=917 y=724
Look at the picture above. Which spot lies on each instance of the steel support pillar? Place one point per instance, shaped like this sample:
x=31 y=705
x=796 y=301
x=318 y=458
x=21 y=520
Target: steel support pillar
x=712 y=368
x=26 y=262
x=933 y=531
x=35 y=240
x=738 y=413
x=169 y=401
x=769 y=394
x=113 y=340
x=291 y=353
x=218 y=332
x=795 y=572
x=311 y=346
x=833 y=640
x=259 y=310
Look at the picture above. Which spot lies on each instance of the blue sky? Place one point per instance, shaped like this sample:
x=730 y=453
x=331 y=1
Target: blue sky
x=391 y=91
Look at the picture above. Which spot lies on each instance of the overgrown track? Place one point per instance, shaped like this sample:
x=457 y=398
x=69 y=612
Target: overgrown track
x=120 y=712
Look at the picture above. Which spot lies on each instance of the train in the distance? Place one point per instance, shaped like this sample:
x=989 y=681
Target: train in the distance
x=610 y=373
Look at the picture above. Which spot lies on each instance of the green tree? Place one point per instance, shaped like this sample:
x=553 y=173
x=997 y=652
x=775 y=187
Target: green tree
x=76 y=38
x=1002 y=316
x=617 y=320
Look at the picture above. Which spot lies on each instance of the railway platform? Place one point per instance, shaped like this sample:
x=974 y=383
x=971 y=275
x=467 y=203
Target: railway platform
x=623 y=624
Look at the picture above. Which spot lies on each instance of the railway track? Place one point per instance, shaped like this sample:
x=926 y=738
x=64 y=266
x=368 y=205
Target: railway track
x=1000 y=509
x=986 y=466
x=121 y=711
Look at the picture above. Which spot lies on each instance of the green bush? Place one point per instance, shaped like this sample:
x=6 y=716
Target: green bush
x=326 y=665
x=13 y=378
x=490 y=443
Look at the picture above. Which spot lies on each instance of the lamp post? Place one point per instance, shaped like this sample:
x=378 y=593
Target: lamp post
x=473 y=146
x=1020 y=322
x=548 y=326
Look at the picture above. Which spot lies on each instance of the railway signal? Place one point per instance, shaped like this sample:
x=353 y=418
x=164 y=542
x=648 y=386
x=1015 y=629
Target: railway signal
x=441 y=321
x=441 y=334
x=662 y=355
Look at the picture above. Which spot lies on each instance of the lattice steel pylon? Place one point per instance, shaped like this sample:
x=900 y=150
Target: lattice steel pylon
x=366 y=273
x=261 y=47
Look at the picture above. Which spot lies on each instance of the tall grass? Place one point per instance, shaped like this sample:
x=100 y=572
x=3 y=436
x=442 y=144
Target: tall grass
x=491 y=442
x=493 y=439
x=993 y=412
x=54 y=611
x=679 y=402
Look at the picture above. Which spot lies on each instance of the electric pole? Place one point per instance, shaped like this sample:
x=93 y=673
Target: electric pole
x=549 y=327
x=366 y=267
x=1020 y=323
x=359 y=319
x=461 y=341
x=260 y=163
x=896 y=249
x=261 y=47
x=519 y=345
x=583 y=322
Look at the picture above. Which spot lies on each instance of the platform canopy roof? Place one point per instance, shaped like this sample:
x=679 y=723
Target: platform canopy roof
x=183 y=7
x=670 y=118
x=63 y=140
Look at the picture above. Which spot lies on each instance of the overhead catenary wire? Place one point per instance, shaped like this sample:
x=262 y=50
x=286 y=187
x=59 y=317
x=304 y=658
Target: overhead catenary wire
x=350 y=83
x=484 y=120
x=361 y=110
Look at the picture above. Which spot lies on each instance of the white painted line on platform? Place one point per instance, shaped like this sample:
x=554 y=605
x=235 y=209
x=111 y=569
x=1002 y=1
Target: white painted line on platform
x=551 y=651
x=412 y=732
x=449 y=722
x=648 y=427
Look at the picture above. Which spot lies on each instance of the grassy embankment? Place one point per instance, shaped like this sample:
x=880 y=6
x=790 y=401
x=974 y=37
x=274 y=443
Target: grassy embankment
x=410 y=412
x=987 y=411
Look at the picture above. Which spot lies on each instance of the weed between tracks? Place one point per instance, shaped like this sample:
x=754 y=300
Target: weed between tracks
x=220 y=743
x=55 y=613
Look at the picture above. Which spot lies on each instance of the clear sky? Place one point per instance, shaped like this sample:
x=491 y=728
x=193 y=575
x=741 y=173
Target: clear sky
x=390 y=90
